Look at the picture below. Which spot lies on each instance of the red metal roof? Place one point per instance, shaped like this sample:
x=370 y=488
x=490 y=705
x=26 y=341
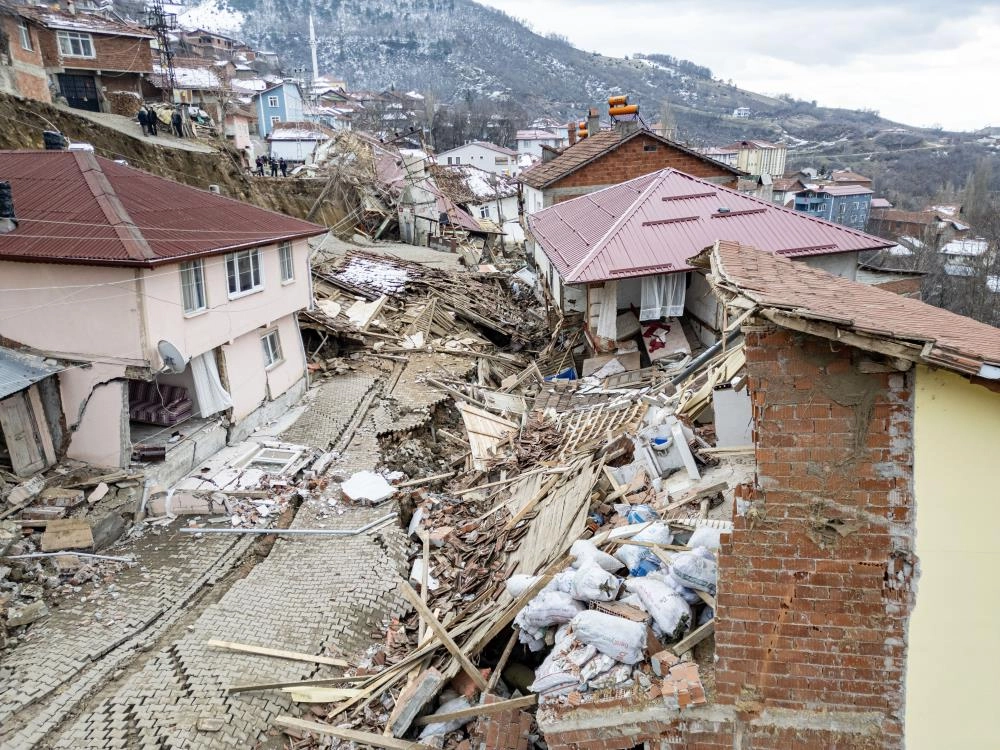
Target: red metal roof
x=653 y=224
x=940 y=337
x=73 y=207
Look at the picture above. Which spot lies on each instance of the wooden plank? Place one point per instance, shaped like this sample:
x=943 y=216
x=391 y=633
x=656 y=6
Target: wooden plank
x=256 y=687
x=697 y=494
x=467 y=666
x=533 y=501
x=694 y=638
x=362 y=738
x=319 y=693
x=41 y=425
x=498 y=669
x=426 y=480
x=707 y=598
x=67 y=533
x=18 y=430
x=482 y=709
x=277 y=653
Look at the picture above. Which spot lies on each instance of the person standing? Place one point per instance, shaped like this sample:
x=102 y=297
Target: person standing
x=274 y=167
x=143 y=117
x=284 y=166
x=177 y=121
x=259 y=163
x=151 y=119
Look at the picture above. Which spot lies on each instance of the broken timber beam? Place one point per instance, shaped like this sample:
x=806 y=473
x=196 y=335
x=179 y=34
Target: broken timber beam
x=481 y=709
x=427 y=616
x=693 y=638
x=362 y=738
x=278 y=653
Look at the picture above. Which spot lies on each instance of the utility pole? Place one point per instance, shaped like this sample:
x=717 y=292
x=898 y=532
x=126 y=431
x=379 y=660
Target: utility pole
x=161 y=23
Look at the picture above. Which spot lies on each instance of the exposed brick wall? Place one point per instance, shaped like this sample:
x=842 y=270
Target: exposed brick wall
x=631 y=160
x=29 y=78
x=806 y=618
x=815 y=581
x=115 y=53
x=507 y=730
x=902 y=287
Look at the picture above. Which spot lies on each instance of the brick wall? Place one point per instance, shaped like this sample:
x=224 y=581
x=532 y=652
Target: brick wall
x=115 y=53
x=814 y=589
x=28 y=77
x=631 y=160
x=810 y=617
x=506 y=730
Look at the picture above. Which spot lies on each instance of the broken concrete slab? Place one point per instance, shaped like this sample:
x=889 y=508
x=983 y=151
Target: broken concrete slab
x=413 y=698
x=43 y=513
x=98 y=493
x=60 y=497
x=367 y=487
x=108 y=530
x=67 y=533
x=27 y=614
x=10 y=532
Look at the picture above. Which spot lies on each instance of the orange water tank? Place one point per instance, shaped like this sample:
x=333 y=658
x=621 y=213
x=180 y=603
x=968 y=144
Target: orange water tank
x=620 y=111
x=617 y=101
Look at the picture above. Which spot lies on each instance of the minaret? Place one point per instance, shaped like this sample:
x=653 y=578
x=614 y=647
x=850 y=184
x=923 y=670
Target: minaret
x=312 y=47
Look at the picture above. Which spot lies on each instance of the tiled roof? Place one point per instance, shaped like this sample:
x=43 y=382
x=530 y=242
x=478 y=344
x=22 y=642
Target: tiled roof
x=846 y=175
x=937 y=337
x=654 y=223
x=784 y=184
x=839 y=190
x=74 y=207
x=585 y=151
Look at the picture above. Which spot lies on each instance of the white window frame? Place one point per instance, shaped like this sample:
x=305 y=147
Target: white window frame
x=275 y=119
x=271 y=343
x=234 y=285
x=24 y=31
x=484 y=212
x=286 y=260
x=81 y=38
x=272 y=102
x=194 y=296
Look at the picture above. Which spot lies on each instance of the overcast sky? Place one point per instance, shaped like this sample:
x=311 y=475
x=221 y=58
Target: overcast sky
x=915 y=61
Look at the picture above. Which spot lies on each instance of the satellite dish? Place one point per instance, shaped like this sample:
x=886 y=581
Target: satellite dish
x=173 y=360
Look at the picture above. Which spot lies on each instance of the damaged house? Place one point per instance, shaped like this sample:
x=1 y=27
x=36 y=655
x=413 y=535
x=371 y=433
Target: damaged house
x=172 y=310
x=30 y=412
x=619 y=255
x=855 y=553
x=488 y=197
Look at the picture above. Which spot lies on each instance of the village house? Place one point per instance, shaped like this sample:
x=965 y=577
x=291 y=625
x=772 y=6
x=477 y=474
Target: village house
x=172 y=310
x=531 y=140
x=23 y=71
x=486 y=156
x=486 y=196
x=844 y=204
x=85 y=55
x=297 y=141
x=622 y=251
x=281 y=102
x=847 y=177
x=930 y=226
x=783 y=189
x=199 y=83
x=238 y=123
x=212 y=45
x=759 y=157
x=853 y=542
x=608 y=157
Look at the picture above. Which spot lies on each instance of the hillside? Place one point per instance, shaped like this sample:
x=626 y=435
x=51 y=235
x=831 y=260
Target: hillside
x=463 y=52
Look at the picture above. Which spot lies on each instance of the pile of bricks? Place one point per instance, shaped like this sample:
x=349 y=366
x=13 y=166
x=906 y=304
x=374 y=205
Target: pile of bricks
x=507 y=730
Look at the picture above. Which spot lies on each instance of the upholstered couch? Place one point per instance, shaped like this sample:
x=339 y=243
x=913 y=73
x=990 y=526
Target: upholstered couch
x=155 y=403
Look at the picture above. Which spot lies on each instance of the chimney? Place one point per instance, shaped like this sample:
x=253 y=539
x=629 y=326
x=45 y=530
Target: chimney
x=593 y=122
x=71 y=7
x=571 y=133
x=8 y=221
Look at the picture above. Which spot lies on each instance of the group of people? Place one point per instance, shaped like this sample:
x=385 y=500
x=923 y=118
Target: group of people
x=273 y=164
x=149 y=120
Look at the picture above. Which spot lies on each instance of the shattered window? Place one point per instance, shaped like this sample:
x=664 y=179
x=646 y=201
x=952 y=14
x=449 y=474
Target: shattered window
x=75 y=44
x=193 y=286
x=272 y=348
x=243 y=272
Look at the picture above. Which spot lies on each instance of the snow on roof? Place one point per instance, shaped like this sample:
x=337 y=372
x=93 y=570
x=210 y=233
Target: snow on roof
x=993 y=283
x=414 y=95
x=482 y=144
x=536 y=134
x=249 y=85
x=465 y=183
x=191 y=78
x=298 y=131
x=966 y=248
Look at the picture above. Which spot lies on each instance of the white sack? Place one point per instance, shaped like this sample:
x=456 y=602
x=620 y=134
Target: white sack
x=621 y=639
x=670 y=613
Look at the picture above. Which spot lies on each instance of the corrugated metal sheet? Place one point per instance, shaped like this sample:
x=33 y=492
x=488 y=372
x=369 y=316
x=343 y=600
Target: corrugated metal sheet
x=19 y=370
x=653 y=224
x=63 y=219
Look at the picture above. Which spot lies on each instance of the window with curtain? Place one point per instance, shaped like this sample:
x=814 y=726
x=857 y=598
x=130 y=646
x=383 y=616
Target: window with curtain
x=287 y=261
x=663 y=296
x=243 y=272
x=193 y=286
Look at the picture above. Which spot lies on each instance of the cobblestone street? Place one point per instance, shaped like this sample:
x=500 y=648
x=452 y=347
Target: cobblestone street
x=310 y=594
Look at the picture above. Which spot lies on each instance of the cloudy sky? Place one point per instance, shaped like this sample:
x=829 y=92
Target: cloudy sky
x=915 y=61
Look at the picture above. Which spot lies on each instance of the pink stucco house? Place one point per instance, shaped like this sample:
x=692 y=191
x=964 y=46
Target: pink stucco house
x=103 y=263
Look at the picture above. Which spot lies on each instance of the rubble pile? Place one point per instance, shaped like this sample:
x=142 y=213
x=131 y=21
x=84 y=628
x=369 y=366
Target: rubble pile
x=574 y=564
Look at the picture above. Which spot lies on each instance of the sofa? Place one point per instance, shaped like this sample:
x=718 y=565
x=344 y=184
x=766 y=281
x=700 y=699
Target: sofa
x=155 y=403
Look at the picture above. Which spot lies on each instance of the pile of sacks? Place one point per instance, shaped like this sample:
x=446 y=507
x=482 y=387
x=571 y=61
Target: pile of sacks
x=593 y=649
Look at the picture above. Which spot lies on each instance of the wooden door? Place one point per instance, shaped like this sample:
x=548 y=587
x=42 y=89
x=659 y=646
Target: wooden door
x=19 y=432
